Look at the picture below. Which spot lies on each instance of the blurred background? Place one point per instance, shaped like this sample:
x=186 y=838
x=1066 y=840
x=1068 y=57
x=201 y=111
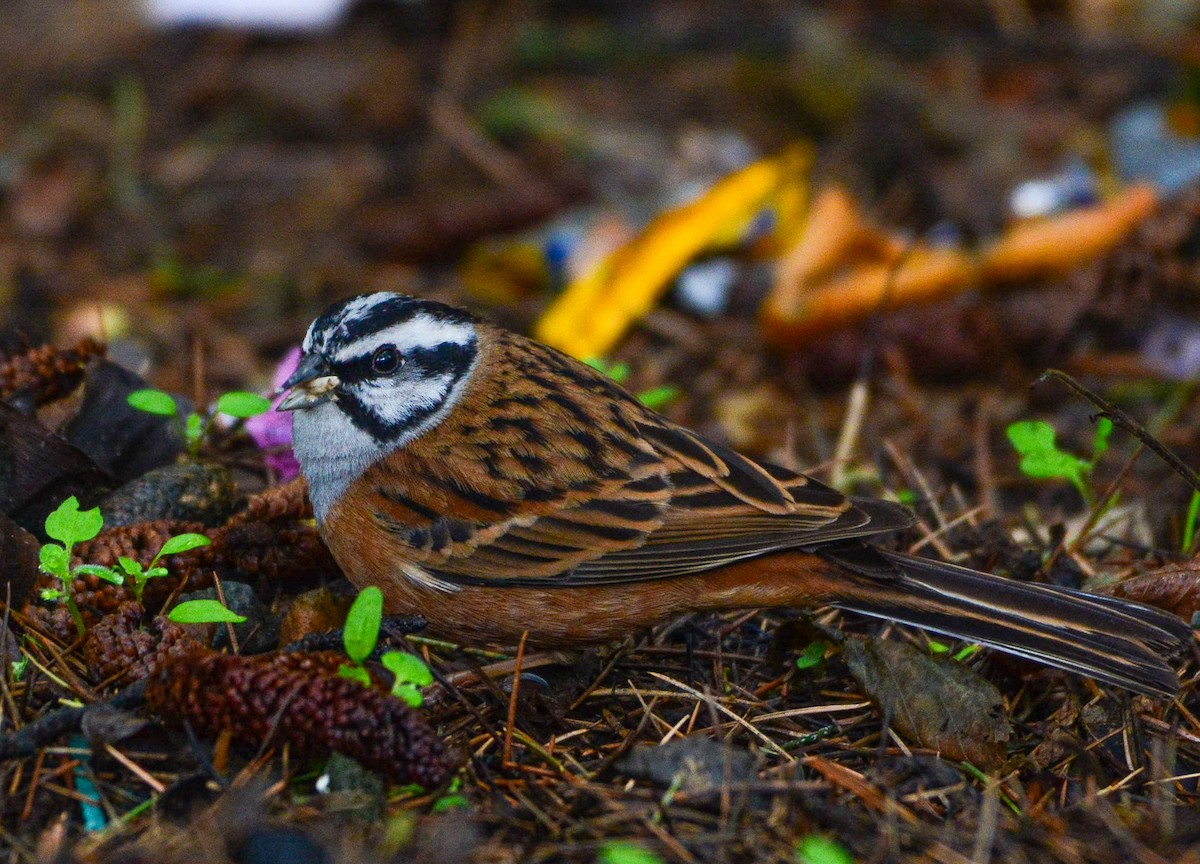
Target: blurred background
x=193 y=180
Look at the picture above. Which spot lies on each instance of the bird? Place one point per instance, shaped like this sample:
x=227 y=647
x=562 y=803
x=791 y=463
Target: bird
x=505 y=491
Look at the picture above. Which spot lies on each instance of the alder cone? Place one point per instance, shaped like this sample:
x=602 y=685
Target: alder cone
x=300 y=700
x=46 y=373
x=120 y=651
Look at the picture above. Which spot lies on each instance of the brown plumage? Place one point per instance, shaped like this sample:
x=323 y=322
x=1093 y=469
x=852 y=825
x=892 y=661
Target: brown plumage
x=543 y=498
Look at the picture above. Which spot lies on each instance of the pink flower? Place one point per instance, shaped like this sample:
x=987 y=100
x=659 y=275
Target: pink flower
x=273 y=430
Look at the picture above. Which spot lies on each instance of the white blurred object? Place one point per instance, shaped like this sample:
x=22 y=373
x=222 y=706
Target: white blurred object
x=282 y=15
x=1075 y=186
x=704 y=287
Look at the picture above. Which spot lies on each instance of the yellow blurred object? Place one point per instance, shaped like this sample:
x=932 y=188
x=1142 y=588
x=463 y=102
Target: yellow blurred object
x=595 y=310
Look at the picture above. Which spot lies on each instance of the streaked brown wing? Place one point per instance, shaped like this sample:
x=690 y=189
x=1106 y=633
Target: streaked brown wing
x=652 y=528
x=559 y=477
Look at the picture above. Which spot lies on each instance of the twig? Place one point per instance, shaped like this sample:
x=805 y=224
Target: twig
x=511 y=720
x=46 y=729
x=1123 y=421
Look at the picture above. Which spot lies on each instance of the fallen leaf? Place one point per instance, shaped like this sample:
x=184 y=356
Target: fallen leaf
x=1174 y=588
x=935 y=702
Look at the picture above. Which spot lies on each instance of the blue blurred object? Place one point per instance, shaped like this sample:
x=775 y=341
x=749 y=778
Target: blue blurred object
x=1172 y=347
x=1145 y=149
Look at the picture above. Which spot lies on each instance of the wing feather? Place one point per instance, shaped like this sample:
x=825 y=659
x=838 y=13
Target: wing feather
x=616 y=493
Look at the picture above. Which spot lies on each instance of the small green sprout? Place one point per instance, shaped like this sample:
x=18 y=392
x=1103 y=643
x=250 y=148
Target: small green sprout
x=626 y=852
x=204 y=612
x=451 y=800
x=811 y=656
x=656 y=398
x=659 y=397
x=618 y=371
x=19 y=666
x=177 y=544
x=70 y=525
x=195 y=426
x=960 y=655
x=411 y=675
x=1189 y=525
x=816 y=849
x=907 y=497
x=1041 y=457
x=359 y=636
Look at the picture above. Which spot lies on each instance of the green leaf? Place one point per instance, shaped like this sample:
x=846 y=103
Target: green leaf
x=408 y=668
x=355 y=673
x=182 y=543
x=240 y=404
x=51 y=594
x=659 y=397
x=362 y=624
x=1040 y=457
x=936 y=647
x=408 y=694
x=155 y=573
x=204 y=612
x=616 y=371
x=966 y=651
x=70 y=525
x=99 y=571
x=1104 y=428
x=815 y=849
x=153 y=402
x=626 y=852
x=193 y=429
x=813 y=653
x=131 y=567
x=448 y=802
x=54 y=560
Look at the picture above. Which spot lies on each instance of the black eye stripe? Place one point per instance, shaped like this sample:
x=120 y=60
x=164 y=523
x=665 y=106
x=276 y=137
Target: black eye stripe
x=426 y=362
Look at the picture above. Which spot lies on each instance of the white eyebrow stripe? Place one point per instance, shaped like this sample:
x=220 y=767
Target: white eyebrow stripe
x=421 y=331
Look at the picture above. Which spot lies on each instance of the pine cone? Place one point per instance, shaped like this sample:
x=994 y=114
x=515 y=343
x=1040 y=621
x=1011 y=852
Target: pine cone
x=119 y=651
x=46 y=373
x=300 y=700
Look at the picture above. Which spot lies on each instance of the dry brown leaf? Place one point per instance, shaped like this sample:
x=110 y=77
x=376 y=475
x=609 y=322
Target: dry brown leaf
x=1174 y=588
x=935 y=702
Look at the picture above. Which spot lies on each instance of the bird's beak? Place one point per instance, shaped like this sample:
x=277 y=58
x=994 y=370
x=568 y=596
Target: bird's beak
x=311 y=384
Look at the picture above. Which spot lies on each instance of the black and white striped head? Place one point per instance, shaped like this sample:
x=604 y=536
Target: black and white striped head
x=377 y=371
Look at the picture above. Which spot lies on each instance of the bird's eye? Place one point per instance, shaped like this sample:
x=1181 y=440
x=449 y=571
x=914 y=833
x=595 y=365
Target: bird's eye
x=385 y=361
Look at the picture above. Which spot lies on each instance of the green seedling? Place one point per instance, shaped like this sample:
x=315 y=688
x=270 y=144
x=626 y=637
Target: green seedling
x=194 y=426
x=626 y=852
x=816 y=849
x=1189 y=525
x=140 y=576
x=656 y=398
x=1041 y=458
x=451 y=800
x=19 y=666
x=204 y=612
x=961 y=654
x=359 y=636
x=812 y=655
x=70 y=525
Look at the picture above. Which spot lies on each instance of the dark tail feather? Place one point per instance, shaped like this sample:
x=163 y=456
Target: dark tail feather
x=1112 y=640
